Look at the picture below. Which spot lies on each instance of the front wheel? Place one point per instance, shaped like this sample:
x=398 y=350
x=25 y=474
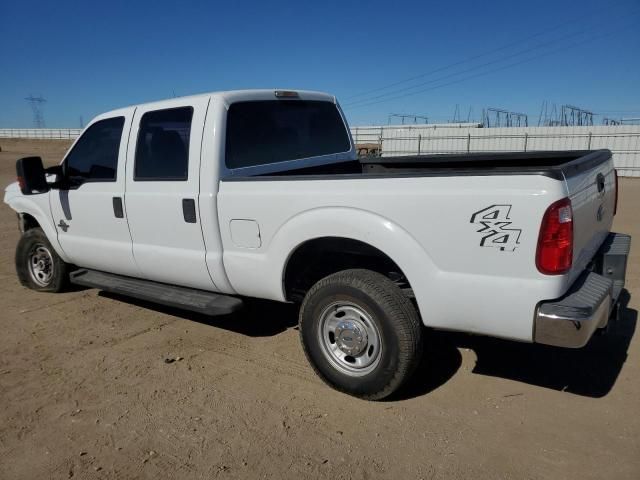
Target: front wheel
x=38 y=265
x=361 y=334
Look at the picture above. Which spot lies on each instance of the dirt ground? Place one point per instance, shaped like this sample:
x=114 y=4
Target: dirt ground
x=86 y=392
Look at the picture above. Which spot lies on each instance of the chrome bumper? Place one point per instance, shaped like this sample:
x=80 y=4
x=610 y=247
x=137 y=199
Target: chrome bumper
x=571 y=320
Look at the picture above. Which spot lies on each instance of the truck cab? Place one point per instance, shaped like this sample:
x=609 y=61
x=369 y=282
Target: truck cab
x=140 y=178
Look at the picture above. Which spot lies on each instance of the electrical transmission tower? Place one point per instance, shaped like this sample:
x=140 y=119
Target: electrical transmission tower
x=456 y=114
x=36 y=106
x=551 y=119
x=407 y=116
x=469 y=115
x=496 y=117
x=543 y=117
x=629 y=121
x=571 y=116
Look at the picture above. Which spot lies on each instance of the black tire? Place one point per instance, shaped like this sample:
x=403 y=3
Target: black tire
x=386 y=311
x=35 y=242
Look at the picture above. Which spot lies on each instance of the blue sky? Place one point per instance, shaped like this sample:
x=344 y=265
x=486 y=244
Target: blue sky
x=88 y=57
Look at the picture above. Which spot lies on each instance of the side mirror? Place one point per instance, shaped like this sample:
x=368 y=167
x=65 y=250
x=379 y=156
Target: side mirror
x=31 y=176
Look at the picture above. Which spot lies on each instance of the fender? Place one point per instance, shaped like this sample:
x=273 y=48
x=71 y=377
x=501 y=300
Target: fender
x=269 y=264
x=38 y=207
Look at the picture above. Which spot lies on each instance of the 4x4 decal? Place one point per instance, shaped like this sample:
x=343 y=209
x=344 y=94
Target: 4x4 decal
x=494 y=226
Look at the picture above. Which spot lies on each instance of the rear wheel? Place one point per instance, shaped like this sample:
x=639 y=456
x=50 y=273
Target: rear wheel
x=38 y=265
x=361 y=334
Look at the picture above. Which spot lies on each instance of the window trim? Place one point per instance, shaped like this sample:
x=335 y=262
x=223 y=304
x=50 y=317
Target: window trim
x=136 y=178
x=266 y=168
x=65 y=170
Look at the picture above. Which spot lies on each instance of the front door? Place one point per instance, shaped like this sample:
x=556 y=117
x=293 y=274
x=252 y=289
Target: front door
x=162 y=188
x=89 y=216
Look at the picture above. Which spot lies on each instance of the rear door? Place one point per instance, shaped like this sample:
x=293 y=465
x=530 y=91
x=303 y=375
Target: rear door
x=89 y=215
x=162 y=187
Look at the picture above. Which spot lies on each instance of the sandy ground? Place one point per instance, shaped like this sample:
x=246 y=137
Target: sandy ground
x=85 y=392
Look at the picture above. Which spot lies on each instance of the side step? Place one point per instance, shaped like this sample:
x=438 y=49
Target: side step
x=191 y=299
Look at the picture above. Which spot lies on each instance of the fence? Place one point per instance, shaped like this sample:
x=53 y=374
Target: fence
x=41 y=133
x=623 y=141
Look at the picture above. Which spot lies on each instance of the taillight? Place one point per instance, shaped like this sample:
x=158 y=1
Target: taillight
x=615 y=205
x=21 y=183
x=555 y=243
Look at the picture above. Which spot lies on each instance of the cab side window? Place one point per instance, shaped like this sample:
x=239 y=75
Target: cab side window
x=94 y=157
x=162 y=151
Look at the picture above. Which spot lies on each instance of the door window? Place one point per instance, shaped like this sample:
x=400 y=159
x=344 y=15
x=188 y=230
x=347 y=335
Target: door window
x=94 y=157
x=162 y=151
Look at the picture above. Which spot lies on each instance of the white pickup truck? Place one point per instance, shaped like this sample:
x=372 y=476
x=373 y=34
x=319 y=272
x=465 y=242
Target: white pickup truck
x=199 y=201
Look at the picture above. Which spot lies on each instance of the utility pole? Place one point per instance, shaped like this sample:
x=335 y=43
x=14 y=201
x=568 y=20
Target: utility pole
x=36 y=107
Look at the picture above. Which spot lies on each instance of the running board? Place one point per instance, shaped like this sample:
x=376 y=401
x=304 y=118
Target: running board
x=200 y=301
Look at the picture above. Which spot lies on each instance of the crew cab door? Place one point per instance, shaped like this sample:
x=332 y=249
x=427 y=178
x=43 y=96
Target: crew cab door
x=89 y=213
x=162 y=187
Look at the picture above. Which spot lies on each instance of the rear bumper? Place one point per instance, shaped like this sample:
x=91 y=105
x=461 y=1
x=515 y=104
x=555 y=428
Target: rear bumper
x=571 y=320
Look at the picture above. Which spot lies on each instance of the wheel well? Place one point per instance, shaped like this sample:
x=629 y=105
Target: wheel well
x=27 y=222
x=317 y=258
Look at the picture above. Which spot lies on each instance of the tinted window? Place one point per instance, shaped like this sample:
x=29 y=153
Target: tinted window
x=162 y=151
x=265 y=132
x=95 y=155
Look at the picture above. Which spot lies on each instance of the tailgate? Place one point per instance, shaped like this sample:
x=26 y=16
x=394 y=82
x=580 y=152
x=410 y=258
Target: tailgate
x=591 y=186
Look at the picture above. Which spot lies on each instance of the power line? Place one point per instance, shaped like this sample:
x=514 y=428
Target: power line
x=545 y=54
x=470 y=69
x=475 y=57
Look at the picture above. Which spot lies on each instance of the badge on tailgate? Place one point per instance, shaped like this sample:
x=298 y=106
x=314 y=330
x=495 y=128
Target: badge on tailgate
x=495 y=228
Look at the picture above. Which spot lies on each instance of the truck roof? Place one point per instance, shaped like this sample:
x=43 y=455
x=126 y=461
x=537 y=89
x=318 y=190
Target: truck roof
x=233 y=96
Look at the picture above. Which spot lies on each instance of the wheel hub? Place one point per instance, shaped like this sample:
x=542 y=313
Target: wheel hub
x=351 y=337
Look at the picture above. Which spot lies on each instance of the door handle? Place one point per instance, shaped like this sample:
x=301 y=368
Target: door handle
x=600 y=182
x=189 y=210
x=118 y=211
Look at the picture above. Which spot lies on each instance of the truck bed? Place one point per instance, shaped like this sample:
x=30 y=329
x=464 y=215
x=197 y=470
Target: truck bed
x=554 y=164
x=434 y=199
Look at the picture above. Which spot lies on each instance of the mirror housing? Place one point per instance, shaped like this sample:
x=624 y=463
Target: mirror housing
x=60 y=181
x=56 y=170
x=31 y=176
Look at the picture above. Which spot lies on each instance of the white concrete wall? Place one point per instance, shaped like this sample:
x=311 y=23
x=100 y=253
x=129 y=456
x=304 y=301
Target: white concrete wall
x=622 y=140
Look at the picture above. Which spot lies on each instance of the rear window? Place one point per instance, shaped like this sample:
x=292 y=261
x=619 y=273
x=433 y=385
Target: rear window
x=265 y=132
